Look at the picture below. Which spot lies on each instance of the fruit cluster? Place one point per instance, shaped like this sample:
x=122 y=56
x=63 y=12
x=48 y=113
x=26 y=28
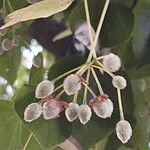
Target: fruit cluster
x=51 y=105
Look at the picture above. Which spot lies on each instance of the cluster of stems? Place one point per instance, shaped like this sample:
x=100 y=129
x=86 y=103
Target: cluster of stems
x=92 y=63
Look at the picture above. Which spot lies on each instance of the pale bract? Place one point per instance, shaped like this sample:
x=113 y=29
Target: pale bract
x=72 y=84
x=51 y=109
x=44 y=89
x=82 y=37
x=112 y=62
x=104 y=108
x=123 y=131
x=84 y=113
x=72 y=111
x=32 y=112
x=15 y=41
x=119 y=82
x=7 y=44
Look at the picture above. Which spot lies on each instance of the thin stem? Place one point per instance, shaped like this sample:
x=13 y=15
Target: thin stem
x=99 y=29
x=99 y=68
x=4 y=8
x=89 y=25
x=105 y=69
x=27 y=142
x=66 y=73
x=85 y=89
x=84 y=68
x=99 y=58
x=62 y=35
x=75 y=97
x=59 y=87
x=10 y=6
x=89 y=89
x=60 y=93
x=120 y=104
x=97 y=82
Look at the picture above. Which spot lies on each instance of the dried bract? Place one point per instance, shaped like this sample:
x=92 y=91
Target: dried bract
x=112 y=62
x=84 y=113
x=72 y=84
x=32 y=112
x=119 y=82
x=44 y=89
x=123 y=131
x=72 y=111
x=82 y=38
x=103 y=107
x=51 y=109
x=7 y=44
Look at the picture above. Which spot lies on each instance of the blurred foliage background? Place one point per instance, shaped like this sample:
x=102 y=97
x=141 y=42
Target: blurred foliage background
x=126 y=31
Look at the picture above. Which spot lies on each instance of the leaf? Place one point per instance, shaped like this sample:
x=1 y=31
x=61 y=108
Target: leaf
x=42 y=9
x=140 y=135
x=128 y=3
x=48 y=133
x=135 y=73
x=65 y=64
x=118 y=24
x=95 y=130
x=141 y=37
x=126 y=53
x=13 y=133
x=113 y=142
x=9 y=64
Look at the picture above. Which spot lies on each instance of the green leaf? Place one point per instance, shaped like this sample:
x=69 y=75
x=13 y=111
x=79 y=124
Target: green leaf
x=140 y=137
x=137 y=73
x=9 y=64
x=118 y=24
x=13 y=133
x=128 y=3
x=113 y=142
x=126 y=53
x=64 y=65
x=95 y=130
x=141 y=38
x=42 y=9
